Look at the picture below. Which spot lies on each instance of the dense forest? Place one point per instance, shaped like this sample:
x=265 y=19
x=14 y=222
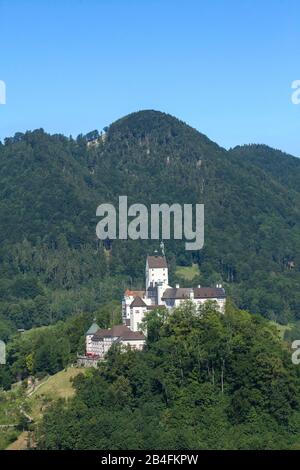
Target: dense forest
x=52 y=265
x=204 y=381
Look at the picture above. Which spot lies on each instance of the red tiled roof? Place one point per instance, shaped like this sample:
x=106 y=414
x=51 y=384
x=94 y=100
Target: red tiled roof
x=157 y=262
x=134 y=293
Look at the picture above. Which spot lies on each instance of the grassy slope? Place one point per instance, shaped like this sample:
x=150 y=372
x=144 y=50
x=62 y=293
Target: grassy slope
x=20 y=443
x=187 y=273
x=52 y=388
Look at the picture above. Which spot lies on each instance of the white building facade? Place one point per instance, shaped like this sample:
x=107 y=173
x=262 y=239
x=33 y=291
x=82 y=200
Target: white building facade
x=135 y=304
x=102 y=340
x=156 y=271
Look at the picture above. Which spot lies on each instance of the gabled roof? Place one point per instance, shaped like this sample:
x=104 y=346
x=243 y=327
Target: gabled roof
x=209 y=292
x=121 y=332
x=157 y=262
x=199 y=293
x=134 y=293
x=125 y=333
x=92 y=329
x=101 y=333
x=137 y=302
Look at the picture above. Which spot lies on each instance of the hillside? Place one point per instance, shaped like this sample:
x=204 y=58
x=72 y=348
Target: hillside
x=283 y=168
x=52 y=265
x=207 y=381
x=34 y=402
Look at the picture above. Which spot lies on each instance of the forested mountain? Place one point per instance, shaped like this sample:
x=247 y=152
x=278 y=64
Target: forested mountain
x=52 y=264
x=281 y=167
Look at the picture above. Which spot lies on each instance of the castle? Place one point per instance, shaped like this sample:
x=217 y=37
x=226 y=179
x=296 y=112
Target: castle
x=136 y=303
x=158 y=293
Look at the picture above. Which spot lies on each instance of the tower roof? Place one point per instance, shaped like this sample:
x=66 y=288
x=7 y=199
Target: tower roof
x=92 y=329
x=157 y=262
x=137 y=302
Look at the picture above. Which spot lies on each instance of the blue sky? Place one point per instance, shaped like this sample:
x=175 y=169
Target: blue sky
x=223 y=66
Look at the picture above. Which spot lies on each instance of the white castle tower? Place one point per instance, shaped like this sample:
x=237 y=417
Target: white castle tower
x=156 y=271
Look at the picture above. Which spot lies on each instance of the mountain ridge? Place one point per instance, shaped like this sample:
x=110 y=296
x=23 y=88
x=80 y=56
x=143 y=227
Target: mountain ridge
x=51 y=186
